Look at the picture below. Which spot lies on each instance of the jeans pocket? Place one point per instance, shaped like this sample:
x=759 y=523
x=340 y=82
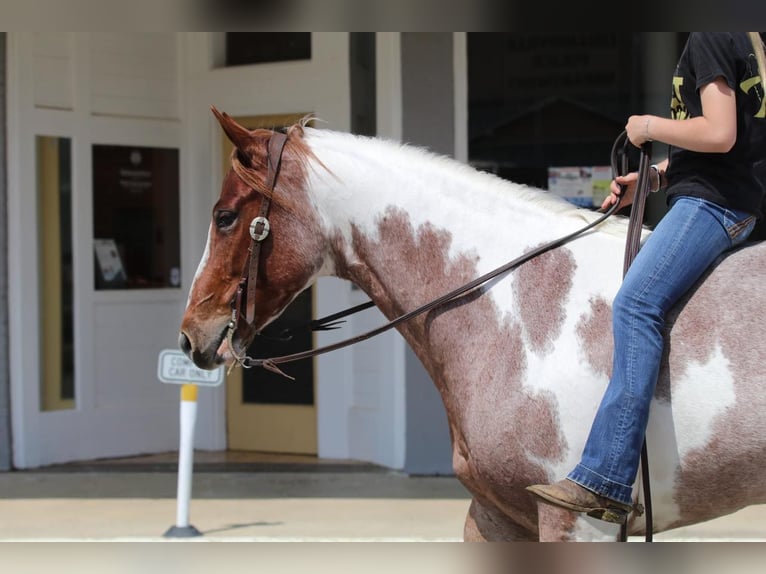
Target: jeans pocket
x=740 y=230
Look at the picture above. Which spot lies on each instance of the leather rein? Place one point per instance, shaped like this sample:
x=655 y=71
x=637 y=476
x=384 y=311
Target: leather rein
x=259 y=230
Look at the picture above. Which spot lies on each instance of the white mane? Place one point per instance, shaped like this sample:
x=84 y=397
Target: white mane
x=403 y=156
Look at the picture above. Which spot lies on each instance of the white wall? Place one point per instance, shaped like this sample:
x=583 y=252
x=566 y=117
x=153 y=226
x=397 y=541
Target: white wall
x=92 y=88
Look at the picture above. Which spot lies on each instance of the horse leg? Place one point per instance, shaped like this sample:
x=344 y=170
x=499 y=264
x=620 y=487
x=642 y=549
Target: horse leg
x=488 y=524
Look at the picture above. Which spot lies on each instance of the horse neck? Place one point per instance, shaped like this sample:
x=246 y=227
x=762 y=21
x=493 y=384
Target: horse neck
x=407 y=226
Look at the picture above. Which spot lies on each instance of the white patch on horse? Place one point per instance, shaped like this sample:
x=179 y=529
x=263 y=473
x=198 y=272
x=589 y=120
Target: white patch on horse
x=662 y=450
x=593 y=530
x=201 y=265
x=709 y=387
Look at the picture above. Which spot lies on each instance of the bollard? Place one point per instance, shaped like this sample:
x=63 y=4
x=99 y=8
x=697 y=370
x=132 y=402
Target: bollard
x=182 y=528
x=176 y=368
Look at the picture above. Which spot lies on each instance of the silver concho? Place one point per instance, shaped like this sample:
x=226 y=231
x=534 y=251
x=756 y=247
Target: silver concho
x=259 y=236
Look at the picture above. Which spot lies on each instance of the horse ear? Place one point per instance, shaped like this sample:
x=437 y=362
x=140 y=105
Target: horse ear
x=238 y=135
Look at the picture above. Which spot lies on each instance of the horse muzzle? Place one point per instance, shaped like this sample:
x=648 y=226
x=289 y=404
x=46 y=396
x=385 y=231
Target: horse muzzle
x=204 y=346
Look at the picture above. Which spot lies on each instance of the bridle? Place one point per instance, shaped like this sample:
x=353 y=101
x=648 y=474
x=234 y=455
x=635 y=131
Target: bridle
x=259 y=230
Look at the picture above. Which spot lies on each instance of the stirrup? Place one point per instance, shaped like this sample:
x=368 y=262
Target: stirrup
x=615 y=515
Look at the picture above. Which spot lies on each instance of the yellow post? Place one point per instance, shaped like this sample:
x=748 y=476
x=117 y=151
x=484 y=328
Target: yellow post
x=189 y=392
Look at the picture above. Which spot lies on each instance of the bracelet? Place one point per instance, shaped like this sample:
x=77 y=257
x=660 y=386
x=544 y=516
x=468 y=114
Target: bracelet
x=659 y=178
x=646 y=130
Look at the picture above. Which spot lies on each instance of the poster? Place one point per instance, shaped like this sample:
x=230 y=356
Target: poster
x=109 y=261
x=584 y=186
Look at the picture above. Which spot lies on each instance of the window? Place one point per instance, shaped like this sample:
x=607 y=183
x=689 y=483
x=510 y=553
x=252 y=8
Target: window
x=546 y=99
x=362 y=80
x=135 y=217
x=57 y=351
x=244 y=48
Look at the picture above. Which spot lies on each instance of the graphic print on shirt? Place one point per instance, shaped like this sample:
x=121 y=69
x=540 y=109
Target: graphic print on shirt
x=678 y=110
x=755 y=83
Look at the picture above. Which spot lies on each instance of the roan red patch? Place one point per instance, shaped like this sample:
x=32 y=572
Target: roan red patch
x=489 y=410
x=542 y=287
x=594 y=330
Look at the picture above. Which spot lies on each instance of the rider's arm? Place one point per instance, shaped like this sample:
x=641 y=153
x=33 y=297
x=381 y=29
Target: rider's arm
x=715 y=131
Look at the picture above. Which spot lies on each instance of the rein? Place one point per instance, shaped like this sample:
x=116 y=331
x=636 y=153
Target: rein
x=632 y=245
x=272 y=362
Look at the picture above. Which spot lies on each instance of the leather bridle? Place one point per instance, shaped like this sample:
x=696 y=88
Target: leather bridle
x=259 y=230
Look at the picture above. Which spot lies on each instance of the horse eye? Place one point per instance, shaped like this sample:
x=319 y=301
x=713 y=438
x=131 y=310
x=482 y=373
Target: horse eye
x=225 y=219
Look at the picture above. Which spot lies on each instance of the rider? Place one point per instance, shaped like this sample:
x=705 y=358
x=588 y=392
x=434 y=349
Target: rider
x=714 y=198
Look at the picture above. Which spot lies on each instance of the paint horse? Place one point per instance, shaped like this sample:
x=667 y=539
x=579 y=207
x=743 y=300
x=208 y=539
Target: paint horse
x=521 y=363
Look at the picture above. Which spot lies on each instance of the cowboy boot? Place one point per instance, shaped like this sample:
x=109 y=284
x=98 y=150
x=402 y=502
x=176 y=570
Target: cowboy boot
x=571 y=496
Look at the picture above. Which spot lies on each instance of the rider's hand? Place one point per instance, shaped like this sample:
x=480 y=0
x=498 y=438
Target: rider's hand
x=629 y=181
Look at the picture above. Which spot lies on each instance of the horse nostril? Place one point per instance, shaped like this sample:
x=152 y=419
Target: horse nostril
x=185 y=344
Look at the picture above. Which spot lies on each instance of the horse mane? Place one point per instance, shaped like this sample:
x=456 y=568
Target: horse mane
x=409 y=154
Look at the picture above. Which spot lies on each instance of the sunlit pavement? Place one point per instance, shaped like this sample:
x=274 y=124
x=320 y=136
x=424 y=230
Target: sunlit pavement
x=267 y=507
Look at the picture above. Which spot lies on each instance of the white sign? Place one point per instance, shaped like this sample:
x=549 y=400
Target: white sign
x=175 y=367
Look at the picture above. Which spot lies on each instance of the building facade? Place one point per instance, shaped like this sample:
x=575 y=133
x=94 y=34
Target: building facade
x=114 y=161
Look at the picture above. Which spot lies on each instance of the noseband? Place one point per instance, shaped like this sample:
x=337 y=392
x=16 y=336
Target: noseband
x=259 y=231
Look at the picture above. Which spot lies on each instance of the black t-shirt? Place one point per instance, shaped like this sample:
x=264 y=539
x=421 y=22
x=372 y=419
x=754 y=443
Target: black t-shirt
x=729 y=179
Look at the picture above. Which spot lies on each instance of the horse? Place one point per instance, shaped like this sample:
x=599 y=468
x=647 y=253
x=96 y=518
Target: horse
x=520 y=363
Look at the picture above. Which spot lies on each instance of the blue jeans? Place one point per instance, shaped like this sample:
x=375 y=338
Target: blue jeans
x=684 y=244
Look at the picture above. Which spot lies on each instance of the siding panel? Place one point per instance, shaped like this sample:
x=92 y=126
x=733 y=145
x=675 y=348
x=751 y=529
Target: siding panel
x=134 y=75
x=53 y=77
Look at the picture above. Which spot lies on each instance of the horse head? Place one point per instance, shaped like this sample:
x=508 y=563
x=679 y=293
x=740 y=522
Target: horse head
x=215 y=328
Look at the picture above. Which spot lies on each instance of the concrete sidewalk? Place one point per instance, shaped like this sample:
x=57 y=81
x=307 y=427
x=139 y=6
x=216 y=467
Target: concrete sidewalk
x=358 y=506
x=264 y=506
x=113 y=522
